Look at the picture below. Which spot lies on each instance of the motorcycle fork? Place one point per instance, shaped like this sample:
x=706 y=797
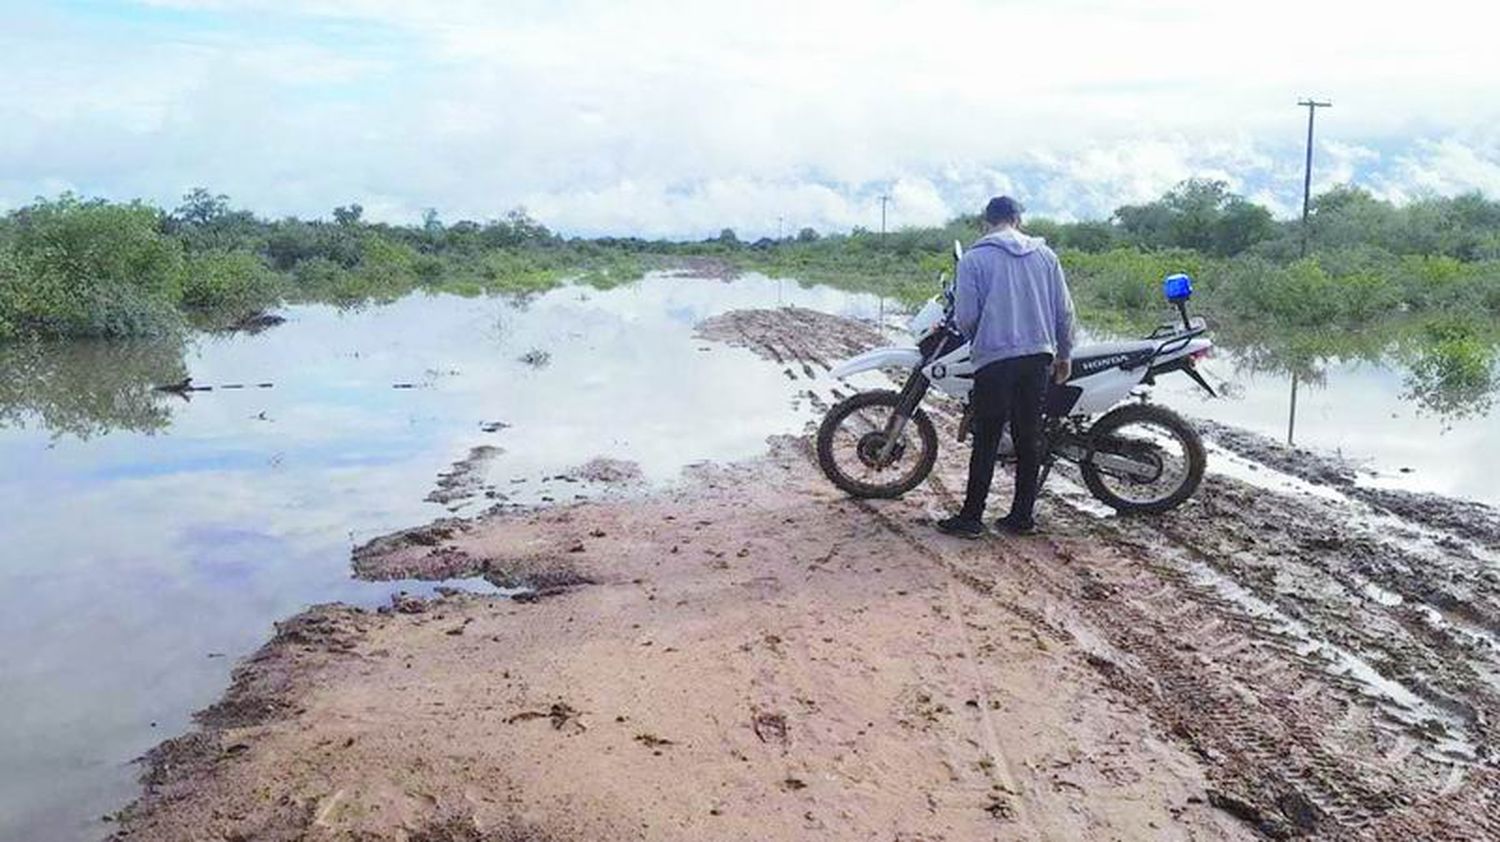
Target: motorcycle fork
x=911 y=395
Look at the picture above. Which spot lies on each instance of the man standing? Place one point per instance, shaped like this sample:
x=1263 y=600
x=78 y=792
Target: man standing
x=1012 y=302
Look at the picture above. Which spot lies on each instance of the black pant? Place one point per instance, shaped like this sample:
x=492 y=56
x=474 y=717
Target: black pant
x=1007 y=391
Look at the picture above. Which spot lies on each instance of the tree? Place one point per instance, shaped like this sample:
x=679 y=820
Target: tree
x=526 y=229
x=1090 y=236
x=807 y=235
x=1196 y=206
x=90 y=268
x=727 y=237
x=200 y=207
x=348 y=215
x=1198 y=214
x=1348 y=215
x=1241 y=224
x=1146 y=226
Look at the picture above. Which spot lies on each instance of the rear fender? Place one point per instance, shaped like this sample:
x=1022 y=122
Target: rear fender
x=1177 y=349
x=880 y=358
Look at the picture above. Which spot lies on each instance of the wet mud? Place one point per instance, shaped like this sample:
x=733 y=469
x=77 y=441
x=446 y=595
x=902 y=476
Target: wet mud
x=255 y=323
x=709 y=268
x=608 y=471
x=466 y=479
x=1465 y=519
x=749 y=654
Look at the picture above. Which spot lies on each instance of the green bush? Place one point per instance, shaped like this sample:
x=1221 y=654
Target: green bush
x=70 y=267
x=1128 y=281
x=79 y=268
x=321 y=279
x=518 y=272
x=11 y=290
x=230 y=283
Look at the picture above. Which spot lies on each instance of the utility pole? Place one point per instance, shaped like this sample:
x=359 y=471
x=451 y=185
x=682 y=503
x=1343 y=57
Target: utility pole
x=1312 y=106
x=778 y=229
x=883 y=200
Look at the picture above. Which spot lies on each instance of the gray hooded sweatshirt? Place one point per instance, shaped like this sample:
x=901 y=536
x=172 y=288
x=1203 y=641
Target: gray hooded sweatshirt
x=1011 y=299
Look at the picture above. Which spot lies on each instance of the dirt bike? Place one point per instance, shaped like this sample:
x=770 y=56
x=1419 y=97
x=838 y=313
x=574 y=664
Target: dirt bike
x=1134 y=456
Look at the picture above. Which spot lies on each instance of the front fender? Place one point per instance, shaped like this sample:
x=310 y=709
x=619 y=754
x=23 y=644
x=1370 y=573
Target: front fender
x=878 y=359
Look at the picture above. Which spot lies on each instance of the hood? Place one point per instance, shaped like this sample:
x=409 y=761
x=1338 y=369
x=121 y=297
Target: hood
x=1012 y=241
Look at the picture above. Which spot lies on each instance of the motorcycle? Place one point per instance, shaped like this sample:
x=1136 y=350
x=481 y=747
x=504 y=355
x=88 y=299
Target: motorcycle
x=1133 y=456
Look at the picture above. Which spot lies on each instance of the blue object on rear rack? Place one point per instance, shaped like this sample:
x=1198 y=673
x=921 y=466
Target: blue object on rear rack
x=1178 y=287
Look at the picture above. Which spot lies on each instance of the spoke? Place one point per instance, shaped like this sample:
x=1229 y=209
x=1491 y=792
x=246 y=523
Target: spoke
x=854 y=429
x=1166 y=447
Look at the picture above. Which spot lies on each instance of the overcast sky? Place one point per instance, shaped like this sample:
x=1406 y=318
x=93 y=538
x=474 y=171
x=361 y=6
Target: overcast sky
x=678 y=119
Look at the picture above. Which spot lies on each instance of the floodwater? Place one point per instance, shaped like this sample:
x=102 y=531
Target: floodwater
x=1366 y=413
x=150 y=541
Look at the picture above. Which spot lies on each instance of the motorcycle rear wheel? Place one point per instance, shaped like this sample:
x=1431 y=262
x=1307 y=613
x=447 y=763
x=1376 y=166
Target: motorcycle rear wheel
x=1141 y=416
x=874 y=409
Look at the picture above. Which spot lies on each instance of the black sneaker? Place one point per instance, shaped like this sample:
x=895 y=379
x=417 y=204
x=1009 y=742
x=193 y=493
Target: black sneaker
x=961 y=527
x=1015 y=526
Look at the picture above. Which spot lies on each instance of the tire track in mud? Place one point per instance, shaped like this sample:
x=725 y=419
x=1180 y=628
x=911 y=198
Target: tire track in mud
x=1393 y=761
x=1222 y=723
x=787 y=337
x=1238 y=688
x=1277 y=636
x=1263 y=716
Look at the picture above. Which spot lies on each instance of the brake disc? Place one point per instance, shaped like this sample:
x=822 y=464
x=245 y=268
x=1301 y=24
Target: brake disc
x=869 y=447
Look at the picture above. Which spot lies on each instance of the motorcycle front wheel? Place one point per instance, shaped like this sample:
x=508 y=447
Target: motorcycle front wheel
x=852 y=446
x=1146 y=459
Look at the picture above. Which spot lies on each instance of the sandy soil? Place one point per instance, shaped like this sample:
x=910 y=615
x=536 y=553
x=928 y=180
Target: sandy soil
x=750 y=655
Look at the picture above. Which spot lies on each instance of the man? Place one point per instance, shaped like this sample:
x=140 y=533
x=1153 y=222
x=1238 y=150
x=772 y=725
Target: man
x=1012 y=302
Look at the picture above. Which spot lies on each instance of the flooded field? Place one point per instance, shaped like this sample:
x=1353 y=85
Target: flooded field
x=151 y=540
x=154 y=537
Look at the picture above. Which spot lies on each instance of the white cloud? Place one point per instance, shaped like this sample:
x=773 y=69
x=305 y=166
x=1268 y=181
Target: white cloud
x=660 y=118
x=1447 y=167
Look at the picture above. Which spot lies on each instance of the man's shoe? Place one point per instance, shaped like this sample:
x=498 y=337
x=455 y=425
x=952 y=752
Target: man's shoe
x=1015 y=525
x=961 y=527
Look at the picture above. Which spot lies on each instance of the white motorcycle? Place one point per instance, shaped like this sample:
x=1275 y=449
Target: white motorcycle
x=1136 y=457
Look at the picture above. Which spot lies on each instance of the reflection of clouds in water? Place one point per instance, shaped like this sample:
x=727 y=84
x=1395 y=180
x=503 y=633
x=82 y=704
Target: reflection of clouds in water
x=131 y=556
x=229 y=554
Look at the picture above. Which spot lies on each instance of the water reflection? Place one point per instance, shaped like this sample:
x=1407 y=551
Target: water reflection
x=1452 y=376
x=86 y=389
x=139 y=564
x=1447 y=373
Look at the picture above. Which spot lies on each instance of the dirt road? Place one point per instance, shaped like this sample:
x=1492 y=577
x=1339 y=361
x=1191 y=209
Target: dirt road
x=750 y=655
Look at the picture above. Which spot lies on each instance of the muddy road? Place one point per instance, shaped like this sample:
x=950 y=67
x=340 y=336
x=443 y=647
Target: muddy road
x=751 y=655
